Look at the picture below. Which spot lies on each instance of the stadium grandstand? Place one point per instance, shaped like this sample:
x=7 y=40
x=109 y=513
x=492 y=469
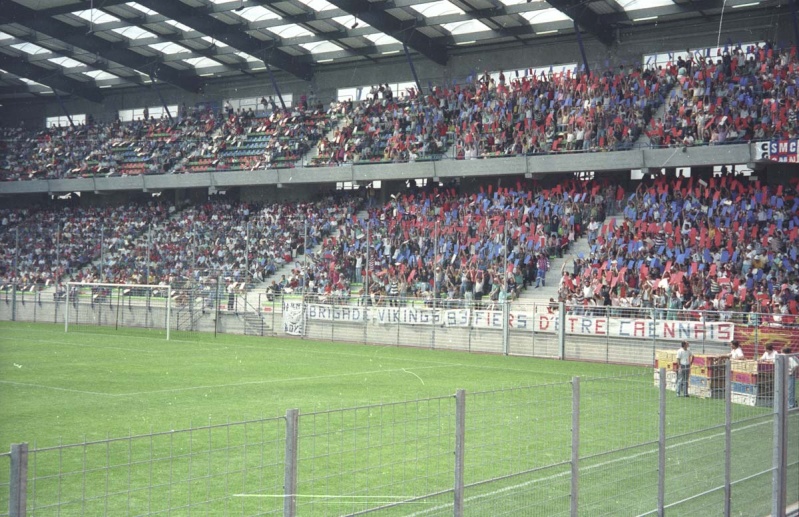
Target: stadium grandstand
x=182 y=130
x=605 y=158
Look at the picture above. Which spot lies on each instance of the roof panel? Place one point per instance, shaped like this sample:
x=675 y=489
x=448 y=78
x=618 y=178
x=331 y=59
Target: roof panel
x=96 y=16
x=213 y=41
x=179 y=26
x=319 y=47
x=30 y=48
x=133 y=32
x=439 y=8
x=349 y=20
x=66 y=62
x=378 y=38
x=634 y=5
x=140 y=8
x=167 y=47
x=99 y=75
x=290 y=30
x=256 y=13
x=248 y=57
x=466 y=27
x=318 y=5
x=202 y=62
x=544 y=16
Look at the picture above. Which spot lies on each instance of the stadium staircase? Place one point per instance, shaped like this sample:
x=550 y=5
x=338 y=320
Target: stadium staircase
x=188 y=306
x=542 y=295
x=252 y=318
x=643 y=141
x=314 y=152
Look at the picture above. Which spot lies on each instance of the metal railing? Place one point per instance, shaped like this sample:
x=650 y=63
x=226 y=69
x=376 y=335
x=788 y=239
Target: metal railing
x=603 y=445
x=619 y=335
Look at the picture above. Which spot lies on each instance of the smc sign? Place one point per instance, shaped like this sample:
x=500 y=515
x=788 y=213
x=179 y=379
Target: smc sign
x=785 y=151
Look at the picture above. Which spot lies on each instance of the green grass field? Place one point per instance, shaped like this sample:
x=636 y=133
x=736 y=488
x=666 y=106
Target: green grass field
x=195 y=426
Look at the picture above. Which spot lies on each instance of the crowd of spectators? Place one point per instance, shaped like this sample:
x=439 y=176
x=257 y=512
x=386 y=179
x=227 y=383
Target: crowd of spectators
x=679 y=247
x=385 y=129
x=439 y=244
x=195 y=140
x=46 y=245
x=742 y=94
x=235 y=243
x=557 y=112
x=745 y=93
x=682 y=246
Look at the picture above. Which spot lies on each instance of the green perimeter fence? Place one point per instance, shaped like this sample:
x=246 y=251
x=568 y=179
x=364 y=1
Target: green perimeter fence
x=592 y=446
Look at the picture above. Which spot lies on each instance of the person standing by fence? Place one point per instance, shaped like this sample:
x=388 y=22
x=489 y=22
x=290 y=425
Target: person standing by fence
x=684 y=361
x=769 y=355
x=793 y=373
x=736 y=353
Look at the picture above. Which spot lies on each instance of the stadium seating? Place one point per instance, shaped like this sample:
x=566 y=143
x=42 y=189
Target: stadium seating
x=56 y=242
x=470 y=248
x=723 y=244
x=742 y=95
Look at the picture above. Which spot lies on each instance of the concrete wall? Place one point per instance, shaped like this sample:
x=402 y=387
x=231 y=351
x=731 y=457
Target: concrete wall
x=293 y=184
x=476 y=340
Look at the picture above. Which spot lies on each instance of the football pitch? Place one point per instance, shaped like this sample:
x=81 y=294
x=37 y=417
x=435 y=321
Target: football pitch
x=127 y=423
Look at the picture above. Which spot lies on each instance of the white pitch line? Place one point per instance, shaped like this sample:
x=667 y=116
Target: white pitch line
x=271 y=381
x=66 y=343
x=420 y=379
x=327 y=496
x=41 y=386
x=590 y=467
x=265 y=348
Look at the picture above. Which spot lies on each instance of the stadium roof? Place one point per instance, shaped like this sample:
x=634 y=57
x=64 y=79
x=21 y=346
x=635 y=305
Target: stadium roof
x=84 y=48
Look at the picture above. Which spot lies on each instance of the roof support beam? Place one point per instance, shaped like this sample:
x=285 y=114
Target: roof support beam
x=65 y=32
x=206 y=24
x=66 y=9
x=585 y=18
x=374 y=14
x=51 y=78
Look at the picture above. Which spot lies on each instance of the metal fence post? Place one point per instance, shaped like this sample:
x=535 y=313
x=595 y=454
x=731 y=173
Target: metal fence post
x=779 y=477
x=18 y=483
x=727 y=439
x=66 y=310
x=532 y=339
x=575 y=459
x=662 y=446
x=561 y=328
x=655 y=333
x=290 y=468
x=505 y=328
x=460 y=437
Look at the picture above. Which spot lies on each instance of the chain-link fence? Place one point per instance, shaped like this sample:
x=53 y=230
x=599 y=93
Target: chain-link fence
x=598 y=334
x=592 y=446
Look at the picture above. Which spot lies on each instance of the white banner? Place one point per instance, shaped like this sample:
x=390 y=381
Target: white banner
x=669 y=330
x=293 y=320
x=389 y=315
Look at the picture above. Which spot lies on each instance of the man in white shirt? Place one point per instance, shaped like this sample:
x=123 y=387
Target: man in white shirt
x=770 y=354
x=684 y=361
x=793 y=374
x=736 y=353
